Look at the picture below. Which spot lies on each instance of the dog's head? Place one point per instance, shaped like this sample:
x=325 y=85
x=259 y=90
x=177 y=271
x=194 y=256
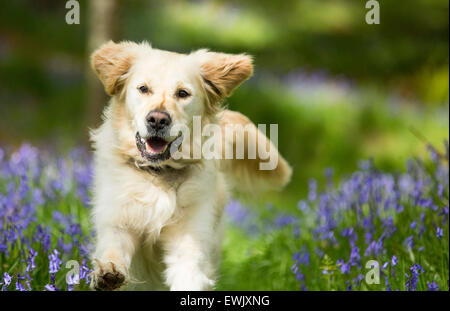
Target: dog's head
x=159 y=90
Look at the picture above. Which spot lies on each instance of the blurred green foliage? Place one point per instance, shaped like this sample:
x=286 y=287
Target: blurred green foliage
x=339 y=89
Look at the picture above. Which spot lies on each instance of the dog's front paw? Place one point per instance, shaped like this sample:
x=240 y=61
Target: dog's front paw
x=107 y=277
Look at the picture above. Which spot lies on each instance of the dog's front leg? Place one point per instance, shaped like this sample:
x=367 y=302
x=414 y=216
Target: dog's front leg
x=112 y=258
x=188 y=246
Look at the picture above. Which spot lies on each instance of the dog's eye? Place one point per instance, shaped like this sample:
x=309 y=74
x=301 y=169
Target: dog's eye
x=143 y=89
x=182 y=93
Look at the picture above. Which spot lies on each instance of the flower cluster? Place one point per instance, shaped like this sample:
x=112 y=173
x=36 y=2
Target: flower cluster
x=399 y=220
x=43 y=200
x=371 y=213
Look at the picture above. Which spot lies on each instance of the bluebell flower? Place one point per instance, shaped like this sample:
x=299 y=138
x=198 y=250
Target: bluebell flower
x=411 y=283
x=38 y=197
x=345 y=268
x=242 y=216
x=421 y=231
x=432 y=286
x=303 y=206
x=302 y=257
x=282 y=221
x=51 y=287
x=386 y=283
x=349 y=286
x=31 y=265
x=85 y=271
x=66 y=248
x=439 y=232
x=409 y=242
x=358 y=279
x=55 y=261
x=6 y=280
x=355 y=257
x=19 y=286
x=312 y=193
x=319 y=252
x=72 y=280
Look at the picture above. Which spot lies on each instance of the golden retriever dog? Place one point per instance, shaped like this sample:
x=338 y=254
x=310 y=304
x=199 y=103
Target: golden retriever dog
x=159 y=218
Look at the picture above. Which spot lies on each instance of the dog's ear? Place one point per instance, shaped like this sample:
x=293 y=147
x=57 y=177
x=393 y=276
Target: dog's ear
x=111 y=62
x=222 y=73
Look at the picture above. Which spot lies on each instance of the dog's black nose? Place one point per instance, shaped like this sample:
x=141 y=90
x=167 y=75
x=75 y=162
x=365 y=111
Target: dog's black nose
x=158 y=120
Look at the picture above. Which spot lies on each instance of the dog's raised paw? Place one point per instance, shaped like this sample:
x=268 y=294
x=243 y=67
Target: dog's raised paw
x=107 y=277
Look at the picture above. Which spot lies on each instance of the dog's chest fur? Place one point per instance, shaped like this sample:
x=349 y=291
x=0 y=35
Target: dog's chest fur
x=144 y=200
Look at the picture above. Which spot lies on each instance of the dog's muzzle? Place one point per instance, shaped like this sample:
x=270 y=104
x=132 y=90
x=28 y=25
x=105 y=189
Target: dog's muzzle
x=156 y=148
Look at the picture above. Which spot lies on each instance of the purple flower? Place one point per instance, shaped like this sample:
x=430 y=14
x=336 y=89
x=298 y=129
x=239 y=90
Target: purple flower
x=284 y=220
x=38 y=197
x=365 y=165
x=72 y=280
x=51 y=287
x=411 y=283
x=19 y=286
x=409 y=242
x=303 y=206
x=350 y=234
x=358 y=279
x=375 y=248
x=312 y=186
x=432 y=286
x=433 y=154
x=241 y=216
x=85 y=272
x=6 y=280
x=302 y=257
x=30 y=260
x=43 y=236
x=66 y=248
x=349 y=286
x=439 y=232
x=354 y=256
x=319 y=252
x=394 y=261
x=55 y=262
x=386 y=282
x=421 y=231
x=345 y=268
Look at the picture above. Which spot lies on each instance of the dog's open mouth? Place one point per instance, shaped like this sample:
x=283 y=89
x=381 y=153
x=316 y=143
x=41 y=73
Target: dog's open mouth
x=157 y=149
x=156 y=145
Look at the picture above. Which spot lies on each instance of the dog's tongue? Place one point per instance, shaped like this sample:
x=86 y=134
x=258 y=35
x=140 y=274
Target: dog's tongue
x=157 y=145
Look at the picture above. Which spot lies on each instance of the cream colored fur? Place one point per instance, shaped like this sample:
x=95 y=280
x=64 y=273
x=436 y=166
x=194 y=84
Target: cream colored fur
x=163 y=230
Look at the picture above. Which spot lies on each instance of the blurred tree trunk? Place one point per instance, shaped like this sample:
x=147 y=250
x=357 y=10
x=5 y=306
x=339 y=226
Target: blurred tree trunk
x=102 y=15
